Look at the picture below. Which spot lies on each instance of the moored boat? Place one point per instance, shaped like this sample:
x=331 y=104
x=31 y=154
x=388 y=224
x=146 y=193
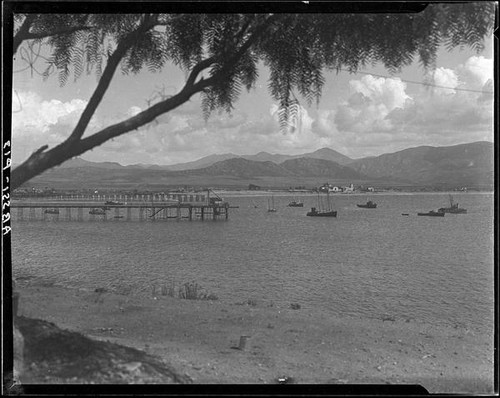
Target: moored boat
x=328 y=212
x=114 y=203
x=295 y=203
x=453 y=209
x=98 y=212
x=432 y=213
x=368 y=205
x=51 y=211
x=315 y=213
x=270 y=205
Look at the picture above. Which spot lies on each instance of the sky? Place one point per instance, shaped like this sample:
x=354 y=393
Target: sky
x=364 y=114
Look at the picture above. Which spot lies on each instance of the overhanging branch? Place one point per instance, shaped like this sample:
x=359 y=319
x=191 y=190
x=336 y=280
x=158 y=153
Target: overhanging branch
x=40 y=161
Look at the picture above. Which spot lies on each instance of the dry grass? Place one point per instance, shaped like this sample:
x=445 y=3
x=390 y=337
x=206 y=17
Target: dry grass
x=187 y=291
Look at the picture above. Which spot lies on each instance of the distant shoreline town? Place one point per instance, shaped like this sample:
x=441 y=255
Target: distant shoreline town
x=146 y=194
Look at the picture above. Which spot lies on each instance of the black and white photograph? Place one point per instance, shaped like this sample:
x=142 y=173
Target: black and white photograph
x=253 y=193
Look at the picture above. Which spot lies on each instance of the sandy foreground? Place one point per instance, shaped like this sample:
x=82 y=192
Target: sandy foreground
x=198 y=338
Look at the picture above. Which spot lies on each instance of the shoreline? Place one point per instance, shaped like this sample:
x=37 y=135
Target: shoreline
x=198 y=339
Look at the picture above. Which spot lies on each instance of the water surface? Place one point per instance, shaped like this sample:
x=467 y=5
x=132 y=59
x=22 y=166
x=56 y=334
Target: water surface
x=365 y=262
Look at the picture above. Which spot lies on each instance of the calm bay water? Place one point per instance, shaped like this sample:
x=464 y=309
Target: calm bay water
x=365 y=262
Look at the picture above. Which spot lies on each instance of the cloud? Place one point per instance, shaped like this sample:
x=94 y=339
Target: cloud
x=372 y=99
x=476 y=72
x=30 y=111
x=378 y=115
x=184 y=137
x=134 y=110
x=445 y=78
x=36 y=122
x=379 y=112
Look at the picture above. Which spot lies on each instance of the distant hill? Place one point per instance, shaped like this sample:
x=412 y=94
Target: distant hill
x=197 y=164
x=468 y=165
x=323 y=153
x=78 y=162
x=267 y=157
x=301 y=167
x=329 y=154
x=321 y=168
x=240 y=167
x=464 y=164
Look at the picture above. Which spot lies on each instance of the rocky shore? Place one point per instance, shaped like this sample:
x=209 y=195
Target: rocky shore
x=136 y=339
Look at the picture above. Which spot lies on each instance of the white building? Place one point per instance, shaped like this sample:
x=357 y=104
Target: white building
x=349 y=189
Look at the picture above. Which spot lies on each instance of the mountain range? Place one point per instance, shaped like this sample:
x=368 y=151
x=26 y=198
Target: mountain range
x=469 y=165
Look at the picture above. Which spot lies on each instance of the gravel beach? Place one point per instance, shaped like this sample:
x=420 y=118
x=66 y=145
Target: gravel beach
x=201 y=339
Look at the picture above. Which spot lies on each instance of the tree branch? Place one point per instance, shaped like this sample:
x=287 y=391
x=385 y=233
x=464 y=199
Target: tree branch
x=23 y=31
x=25 y=34
x=105 y=80
x=40 y=161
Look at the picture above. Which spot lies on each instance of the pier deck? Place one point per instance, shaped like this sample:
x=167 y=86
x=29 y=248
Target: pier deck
x=134 y=211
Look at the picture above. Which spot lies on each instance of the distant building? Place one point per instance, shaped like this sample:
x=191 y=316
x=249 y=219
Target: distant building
x=349 y=189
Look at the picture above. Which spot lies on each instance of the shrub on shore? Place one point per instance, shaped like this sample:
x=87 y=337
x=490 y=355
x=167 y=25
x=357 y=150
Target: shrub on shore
x=187 y=291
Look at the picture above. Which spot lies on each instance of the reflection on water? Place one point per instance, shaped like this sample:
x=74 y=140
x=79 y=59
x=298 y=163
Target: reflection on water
x=365 y=262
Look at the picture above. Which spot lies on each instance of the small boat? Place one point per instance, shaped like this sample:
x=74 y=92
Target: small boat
x=51 y=211
x=97 y=211
x=432 y=213
x=328 y=212
x=368 y=205
x=295 y=203
x=315 y=213
x=270 y=207
x=404 y=214
x=113 y=203
x=453 y=209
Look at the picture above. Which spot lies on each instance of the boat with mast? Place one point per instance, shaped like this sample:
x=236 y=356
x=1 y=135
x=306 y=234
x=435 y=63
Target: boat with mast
x=296 y=203
x=320 y=211
x=270 y=205
x=453 y=209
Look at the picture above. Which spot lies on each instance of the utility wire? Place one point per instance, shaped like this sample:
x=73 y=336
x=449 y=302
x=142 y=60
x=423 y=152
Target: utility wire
x=421 y=83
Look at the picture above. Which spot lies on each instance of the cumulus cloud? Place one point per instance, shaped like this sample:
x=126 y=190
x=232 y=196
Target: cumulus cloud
x=446 y=80
x=378 y=115
x=379 y=112
x=476 y=72
x=36 y=122
x=372 y=99
x=30 y=111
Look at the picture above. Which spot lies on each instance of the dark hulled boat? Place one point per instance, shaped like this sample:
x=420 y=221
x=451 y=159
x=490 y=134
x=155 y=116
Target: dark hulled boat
x=368 y=205
x=432 y=213
x=315 y=213
x=98 y=212
x=328 y=212
x=295 y=203
x=51 y=211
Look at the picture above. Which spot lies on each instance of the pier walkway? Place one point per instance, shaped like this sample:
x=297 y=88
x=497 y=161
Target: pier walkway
x=76 y=209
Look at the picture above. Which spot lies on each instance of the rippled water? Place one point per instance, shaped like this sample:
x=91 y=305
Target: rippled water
x=365 y=262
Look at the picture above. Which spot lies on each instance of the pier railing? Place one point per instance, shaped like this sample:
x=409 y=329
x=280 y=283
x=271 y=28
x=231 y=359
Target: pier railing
x=170 y=197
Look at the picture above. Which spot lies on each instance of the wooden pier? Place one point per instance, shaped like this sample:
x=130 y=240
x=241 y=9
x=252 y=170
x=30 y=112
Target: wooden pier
x=92 y=211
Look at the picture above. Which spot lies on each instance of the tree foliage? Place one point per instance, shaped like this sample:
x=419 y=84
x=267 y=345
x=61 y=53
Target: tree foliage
x=220 y=55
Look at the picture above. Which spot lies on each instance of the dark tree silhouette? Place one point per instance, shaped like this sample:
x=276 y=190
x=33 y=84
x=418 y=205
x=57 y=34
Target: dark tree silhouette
x=220 y=53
